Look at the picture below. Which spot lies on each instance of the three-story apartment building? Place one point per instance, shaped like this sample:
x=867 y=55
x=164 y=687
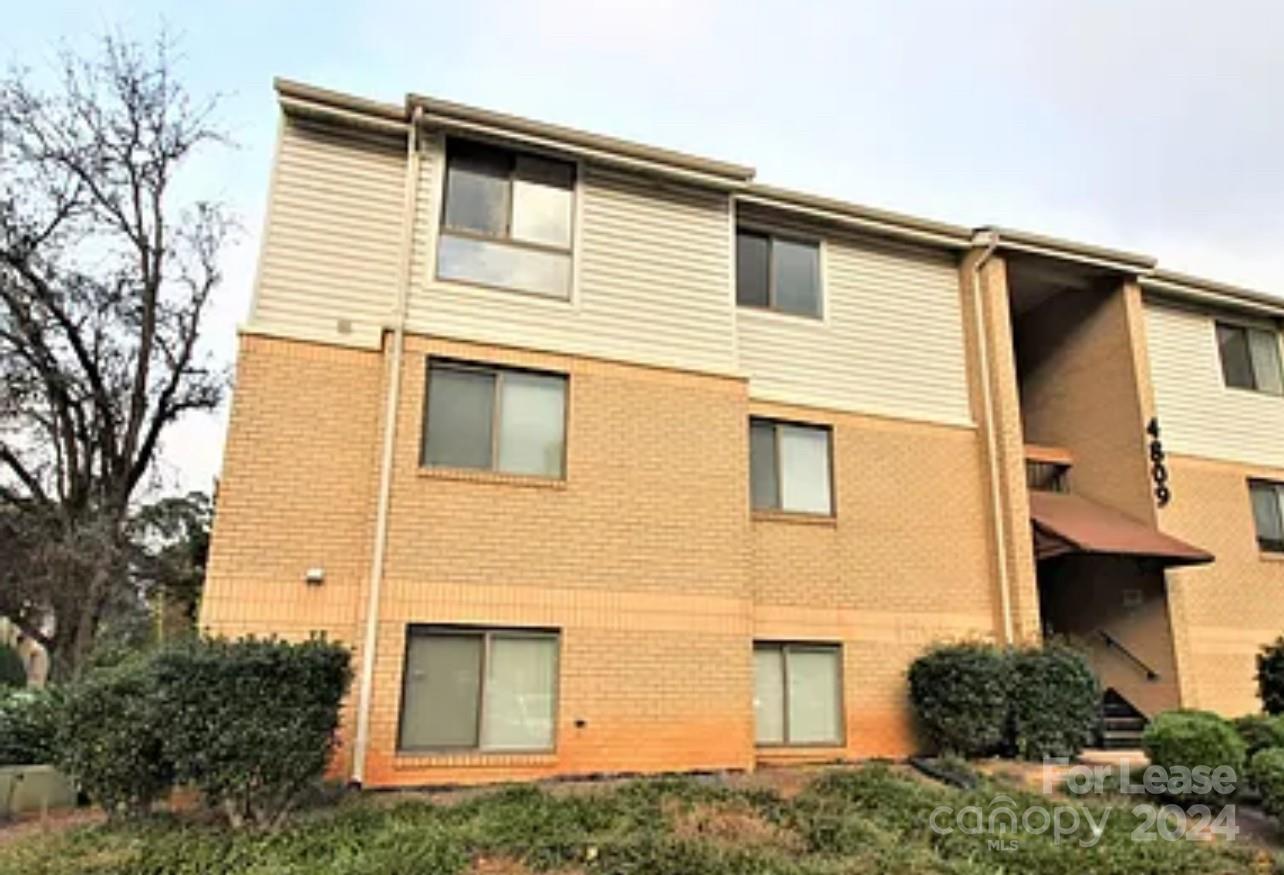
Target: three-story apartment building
x=607 y=458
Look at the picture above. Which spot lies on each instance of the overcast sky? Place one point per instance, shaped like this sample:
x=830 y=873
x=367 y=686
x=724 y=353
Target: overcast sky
x=1151 y=126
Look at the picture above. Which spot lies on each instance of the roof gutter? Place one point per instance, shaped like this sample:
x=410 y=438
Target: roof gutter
x=391 y=403
x=1068 y=250
x=1213 y=294
x=867 y=219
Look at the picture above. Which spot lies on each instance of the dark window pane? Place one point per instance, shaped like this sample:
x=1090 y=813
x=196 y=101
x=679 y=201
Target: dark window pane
x=460 y=410
x=797 y=277
x=753 y=269
x=762 y=464
x=440 y=702
x=1268 y=516
x=1237 y=365
x=477 y=189
x=1264 y=350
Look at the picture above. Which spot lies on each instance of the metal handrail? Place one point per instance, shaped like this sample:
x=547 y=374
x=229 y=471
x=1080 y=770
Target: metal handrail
x=1112 y=641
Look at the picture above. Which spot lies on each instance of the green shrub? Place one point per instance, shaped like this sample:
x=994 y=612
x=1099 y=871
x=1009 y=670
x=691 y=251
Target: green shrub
x=1266 y=771
x=1258 y=732
x=28 y=724
x=1055 y=704
x=1270 y=676
x=13 y=673
x=1186 y=739
x=960 y=696
x=109 y=739
x=251 y=723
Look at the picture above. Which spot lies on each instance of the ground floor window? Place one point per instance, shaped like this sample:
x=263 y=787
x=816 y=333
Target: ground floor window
x=798 y=694
x=478 y=689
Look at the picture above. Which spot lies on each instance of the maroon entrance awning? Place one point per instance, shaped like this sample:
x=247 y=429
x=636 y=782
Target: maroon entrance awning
x=1070 y=524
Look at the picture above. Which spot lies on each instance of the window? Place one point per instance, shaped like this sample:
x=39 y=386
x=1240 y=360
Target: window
x=1268 y=514
x=478 y=689
x=777 y=273
x=789 y=466
x=495 y=419
x=506 y=220
x=798 y=696
x=1250 y=358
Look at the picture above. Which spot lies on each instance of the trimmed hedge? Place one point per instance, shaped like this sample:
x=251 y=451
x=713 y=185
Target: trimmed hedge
x=977 y=699
x=110 y=739
x=28 y=724
x=1055 y=704
x=1266 y=771
x=1270 y=676
x=960 y=695
x=13 y=673
x=1187 y=739
x=1259 y=731
x=251 y=723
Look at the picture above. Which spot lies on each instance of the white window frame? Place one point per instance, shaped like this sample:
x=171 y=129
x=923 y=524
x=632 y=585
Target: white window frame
x=773 y=233
x=1248 y=328
x=440 y=229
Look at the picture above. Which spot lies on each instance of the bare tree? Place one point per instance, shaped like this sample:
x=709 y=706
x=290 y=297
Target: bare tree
x=104 y=282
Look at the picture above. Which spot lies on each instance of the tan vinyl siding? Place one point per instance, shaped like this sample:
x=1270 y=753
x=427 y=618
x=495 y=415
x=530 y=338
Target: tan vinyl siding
x=890 y=341
x=332 y=234
x=652 y=279
x=1199 y=415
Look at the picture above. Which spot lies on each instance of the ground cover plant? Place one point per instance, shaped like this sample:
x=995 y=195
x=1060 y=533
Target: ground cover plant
x=869 y=819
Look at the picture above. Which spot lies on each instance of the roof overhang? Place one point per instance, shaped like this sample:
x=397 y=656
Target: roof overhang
x=309 y=102
x=860 y=218
x=1210 y=294
x=1069 y=524
x=1064 y=250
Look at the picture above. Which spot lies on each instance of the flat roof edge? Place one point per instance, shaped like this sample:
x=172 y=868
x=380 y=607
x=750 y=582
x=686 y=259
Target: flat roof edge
x=1128 y=260
x=289 y=89
x=309 y=100
x=870 y=218
x=1180 y=285
x=447 y=111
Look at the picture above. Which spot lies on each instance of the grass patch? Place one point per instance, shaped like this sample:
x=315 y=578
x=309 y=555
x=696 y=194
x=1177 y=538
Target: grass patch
x=851 y=820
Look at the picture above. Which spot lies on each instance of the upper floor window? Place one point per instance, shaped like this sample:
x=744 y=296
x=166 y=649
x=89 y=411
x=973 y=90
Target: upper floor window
x=494 y=419
x=1268 y=513
x=777 y=273
x=789 y=466
x=1250 y=358
x=507 y=220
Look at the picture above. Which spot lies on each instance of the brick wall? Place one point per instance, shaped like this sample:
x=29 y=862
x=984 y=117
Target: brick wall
x=297 y=492
x=646 y=557
x=1225 y=611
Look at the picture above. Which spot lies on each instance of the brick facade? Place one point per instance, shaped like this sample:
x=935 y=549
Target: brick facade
x=1223 y=612
x=646 y=558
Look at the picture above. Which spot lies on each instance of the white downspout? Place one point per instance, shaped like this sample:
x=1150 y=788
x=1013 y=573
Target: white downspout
x=992 y=443
x=391 y=402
